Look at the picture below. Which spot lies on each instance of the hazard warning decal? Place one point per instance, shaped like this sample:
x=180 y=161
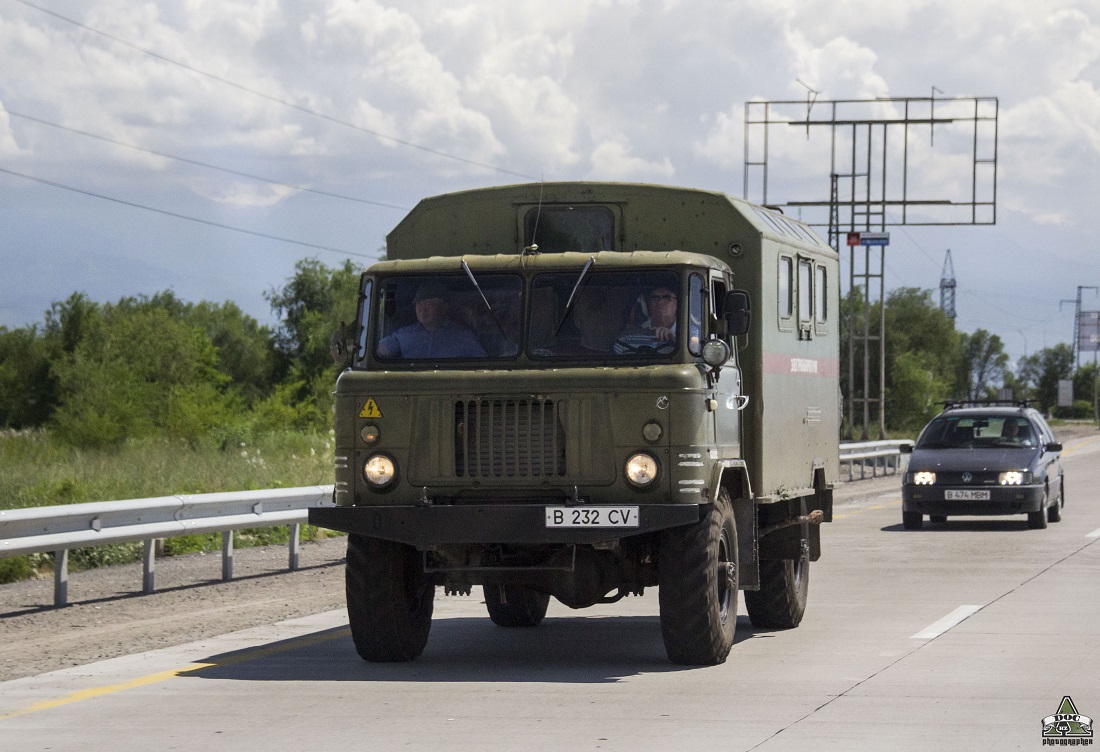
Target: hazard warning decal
x=370 y=409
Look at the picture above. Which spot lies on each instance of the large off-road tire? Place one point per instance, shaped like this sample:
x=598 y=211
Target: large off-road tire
x=390 y=599
x=781 y=600
x=912 y=520
x=515 y=605
x=697 y=587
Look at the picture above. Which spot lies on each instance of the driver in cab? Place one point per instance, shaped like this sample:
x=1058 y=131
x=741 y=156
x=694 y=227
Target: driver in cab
x=657 y=334
x=434 y=335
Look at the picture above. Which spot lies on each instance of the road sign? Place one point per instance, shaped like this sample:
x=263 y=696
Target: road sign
x=868 y=238
x=1088 y=331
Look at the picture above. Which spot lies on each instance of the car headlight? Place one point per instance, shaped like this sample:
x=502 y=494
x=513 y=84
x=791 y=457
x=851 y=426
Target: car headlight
x=641 y=469
x=1015 y=477
x=922 y=478
x=379 y=470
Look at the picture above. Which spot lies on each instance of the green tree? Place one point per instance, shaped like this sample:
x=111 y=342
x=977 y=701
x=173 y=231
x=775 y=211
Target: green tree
x=1054 y=364
x=28 y=392
x=922 y=357
x=311 y=306
x=983 y=367
x=245 y=349
x=143 y=373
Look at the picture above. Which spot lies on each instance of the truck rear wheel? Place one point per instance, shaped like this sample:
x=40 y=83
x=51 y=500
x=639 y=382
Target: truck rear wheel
x=515 y=605
x=697 y=587
x=781 y=600
x=390 y=599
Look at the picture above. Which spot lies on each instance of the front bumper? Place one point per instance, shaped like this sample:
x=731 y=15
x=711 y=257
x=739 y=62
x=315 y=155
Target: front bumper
x=1002 y=500
x=425 y=526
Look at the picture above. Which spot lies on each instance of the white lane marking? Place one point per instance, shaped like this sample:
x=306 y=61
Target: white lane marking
x=944 y=624
x=1094 y=534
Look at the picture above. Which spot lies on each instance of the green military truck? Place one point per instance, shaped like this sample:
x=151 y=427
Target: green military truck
x=559 y=390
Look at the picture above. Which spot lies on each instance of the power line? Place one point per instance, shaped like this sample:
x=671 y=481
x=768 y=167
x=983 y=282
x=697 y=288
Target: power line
x=274 y=99
x=185 y=216
x=202 y=164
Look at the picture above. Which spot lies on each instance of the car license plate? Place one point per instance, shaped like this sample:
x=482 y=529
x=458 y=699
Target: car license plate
x=591 y=516
x=975 y=495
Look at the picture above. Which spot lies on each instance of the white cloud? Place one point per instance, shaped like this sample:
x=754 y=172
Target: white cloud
x=612 y=160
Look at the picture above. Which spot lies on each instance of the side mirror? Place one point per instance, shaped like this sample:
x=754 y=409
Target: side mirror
x=905 y=448
x=736 y=312
x=1053 y=446
x=339 y=345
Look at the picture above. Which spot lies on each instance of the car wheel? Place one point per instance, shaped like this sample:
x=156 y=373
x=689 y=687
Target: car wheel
x=912 y=520
x=1038 y=520
x=1054 y=511
x=939 y=518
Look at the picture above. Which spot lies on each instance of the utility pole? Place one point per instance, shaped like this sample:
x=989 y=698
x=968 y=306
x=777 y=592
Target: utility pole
x=1077 y=322
x=947 y=287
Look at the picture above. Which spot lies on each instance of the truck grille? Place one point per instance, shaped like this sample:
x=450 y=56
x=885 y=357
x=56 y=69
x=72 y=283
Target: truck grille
x=496 y=438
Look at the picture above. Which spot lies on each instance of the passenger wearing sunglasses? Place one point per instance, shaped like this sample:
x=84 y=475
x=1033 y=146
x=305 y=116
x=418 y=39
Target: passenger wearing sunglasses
x=657 y=334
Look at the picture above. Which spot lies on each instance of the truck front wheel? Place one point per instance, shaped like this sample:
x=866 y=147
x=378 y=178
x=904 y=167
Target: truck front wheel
x=389 y=597
x=515 y=605
x=697 y=587
x=781 y=600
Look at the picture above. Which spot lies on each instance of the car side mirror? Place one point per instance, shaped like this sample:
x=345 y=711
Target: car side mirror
x=736 y=312
x=1053 y=446
x=905 y=448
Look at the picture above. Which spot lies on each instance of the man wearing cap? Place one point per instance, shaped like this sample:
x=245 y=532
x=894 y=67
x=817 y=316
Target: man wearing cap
x=434 y=335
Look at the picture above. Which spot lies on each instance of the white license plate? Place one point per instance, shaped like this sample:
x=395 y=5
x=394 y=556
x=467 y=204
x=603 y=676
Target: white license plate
x=591 y=516
x=982 y=495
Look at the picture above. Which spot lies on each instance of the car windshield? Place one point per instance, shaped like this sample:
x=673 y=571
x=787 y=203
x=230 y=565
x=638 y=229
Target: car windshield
x=977 y=432
x=589 y=313
x=469 y=316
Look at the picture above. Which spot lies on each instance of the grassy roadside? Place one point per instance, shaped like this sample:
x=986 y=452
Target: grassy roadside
x=37 y=471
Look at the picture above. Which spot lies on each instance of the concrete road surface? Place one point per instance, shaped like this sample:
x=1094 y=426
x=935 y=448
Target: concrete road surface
x=961 y=636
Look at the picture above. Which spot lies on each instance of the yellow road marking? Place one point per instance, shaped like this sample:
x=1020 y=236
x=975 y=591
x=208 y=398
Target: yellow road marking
x=142 y=681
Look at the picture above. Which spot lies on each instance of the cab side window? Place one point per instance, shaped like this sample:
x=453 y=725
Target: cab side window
x=695 y=314
x=821 y=299
x=786 y=293
x=805 y=294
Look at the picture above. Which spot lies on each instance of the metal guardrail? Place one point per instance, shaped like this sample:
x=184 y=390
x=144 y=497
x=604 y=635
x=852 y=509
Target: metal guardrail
x=61 y=528
x=884 y=455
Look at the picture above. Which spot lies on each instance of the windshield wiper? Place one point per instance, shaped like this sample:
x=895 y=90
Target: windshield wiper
x=484 y=299
x=573 y=294
x=470 y=274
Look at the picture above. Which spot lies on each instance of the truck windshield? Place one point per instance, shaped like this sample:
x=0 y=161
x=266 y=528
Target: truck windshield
x=599 y=314
x=474 y=316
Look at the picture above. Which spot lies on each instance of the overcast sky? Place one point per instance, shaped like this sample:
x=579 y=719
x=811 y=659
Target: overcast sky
x=114 y=114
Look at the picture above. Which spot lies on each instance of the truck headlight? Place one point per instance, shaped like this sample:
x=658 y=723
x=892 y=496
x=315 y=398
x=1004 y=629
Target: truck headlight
x=1015 y=477
x=641 y=469
x=379 y=470
x=923 y=478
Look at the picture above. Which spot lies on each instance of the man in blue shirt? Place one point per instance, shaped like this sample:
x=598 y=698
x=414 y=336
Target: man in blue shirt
x=434 y=335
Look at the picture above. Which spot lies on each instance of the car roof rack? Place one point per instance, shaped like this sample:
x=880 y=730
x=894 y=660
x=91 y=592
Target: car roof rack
x=959 y=404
